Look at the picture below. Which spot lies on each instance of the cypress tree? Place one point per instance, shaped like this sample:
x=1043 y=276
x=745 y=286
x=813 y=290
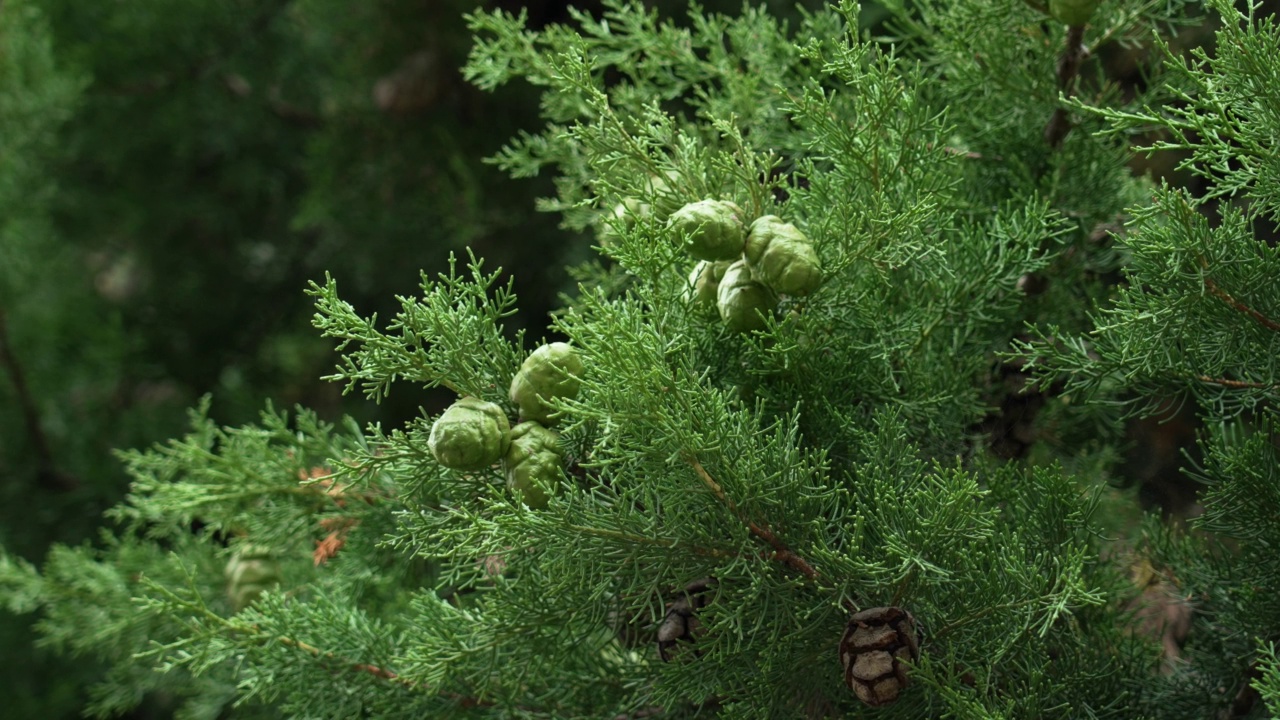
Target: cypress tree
x=804 y=515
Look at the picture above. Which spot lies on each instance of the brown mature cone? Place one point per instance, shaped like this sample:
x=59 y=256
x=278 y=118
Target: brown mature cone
x=875 y=643
x=681 y=627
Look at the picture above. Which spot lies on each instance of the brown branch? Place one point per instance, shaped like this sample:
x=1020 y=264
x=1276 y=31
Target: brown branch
x=1223 y=295
x=1068 y=68
x=46 y=469
x=1234 y=383
x=377 y=671
x=781 y=552
x=362 y=667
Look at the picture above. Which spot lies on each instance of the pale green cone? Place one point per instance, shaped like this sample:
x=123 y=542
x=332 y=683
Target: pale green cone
x=704 y=282
x=471 y=434
x=710 y=229
x=533 y=463
x=743 y=302
x=550 y=371
x=249 y=572
x=782 y=257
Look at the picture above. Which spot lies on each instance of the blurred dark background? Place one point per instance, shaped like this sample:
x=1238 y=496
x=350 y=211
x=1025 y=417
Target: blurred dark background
x=172 y=175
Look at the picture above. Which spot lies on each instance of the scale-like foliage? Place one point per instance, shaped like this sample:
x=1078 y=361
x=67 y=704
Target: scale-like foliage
x=749 y=489
x=1198 y=319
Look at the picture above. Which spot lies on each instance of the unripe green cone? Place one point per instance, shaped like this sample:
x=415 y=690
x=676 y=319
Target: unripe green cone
x=631 y=210
x=624 y=215
x=704 y=282
x=533 y=463
x=710 y=229
x=249 y=572
x=782 y=257
x=1072 y=12
x=743 y=302
x=665 y=198
x=470 y=435
x=550 y=371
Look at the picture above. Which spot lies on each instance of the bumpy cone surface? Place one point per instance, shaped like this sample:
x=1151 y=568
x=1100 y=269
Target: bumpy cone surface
x=631 y=210
x=681 y=628
x=666 y=199
x=470 y=435
x=249 y=572
x=782 y=257
x=624 y=216
x=551 y=371
x=743 y=302
x=710 y=229
x=533 y=463
x=875 y=645
x=704 y=283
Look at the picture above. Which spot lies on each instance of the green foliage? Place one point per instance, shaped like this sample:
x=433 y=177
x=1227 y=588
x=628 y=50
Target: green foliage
x=155 y=595
x=1196 y=320
x=451 y=337
x=60 y=358
x=1269 y=684
x=830 y=460
x=1223 y=109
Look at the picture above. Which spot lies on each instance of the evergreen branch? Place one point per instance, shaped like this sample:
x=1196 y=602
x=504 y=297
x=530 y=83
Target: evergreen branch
x=1241 y=384
x=361 y=667
x=449 y=337
x=199 y=609
x=1124 y=21
x=781 y=552
x=371 y=669
x=1226 y=297
x=640 y=539
x=984 y=612
x=642 y=713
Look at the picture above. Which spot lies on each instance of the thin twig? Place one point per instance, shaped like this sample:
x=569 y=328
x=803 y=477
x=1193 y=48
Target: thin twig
x=628 y=538
x=1068 y=68
x=1234 y=383
x=377 y=671
x=46 y=469
x=362 y=667
x=1223 y=295
x=781 y=552
x=966 y=154
x=951 y=627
